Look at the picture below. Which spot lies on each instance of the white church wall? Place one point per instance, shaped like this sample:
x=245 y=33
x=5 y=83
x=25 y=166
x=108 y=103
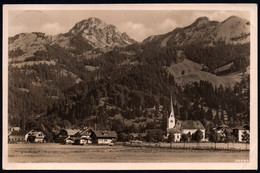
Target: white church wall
x=171 y=122
x=177 y=137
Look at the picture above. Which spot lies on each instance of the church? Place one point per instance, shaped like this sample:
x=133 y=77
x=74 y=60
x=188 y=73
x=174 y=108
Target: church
x=178 y=127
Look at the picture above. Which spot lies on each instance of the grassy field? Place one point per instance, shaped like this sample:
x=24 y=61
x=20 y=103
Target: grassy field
x=201 y=145
x=50 y=152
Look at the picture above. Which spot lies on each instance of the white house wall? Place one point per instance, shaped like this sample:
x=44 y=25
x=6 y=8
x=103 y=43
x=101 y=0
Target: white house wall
x=240 y=134
x=104 y=141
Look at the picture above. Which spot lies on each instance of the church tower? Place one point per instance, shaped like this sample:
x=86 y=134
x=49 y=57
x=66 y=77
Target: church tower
x=171 y=118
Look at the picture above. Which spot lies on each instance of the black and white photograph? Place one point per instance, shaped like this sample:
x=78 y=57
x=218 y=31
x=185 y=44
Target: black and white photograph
x=148 y=86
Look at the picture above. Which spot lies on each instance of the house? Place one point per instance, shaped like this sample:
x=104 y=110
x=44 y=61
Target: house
x=239 y=131
x=103 y=137
x=178 y=127
x=64 y=134
x=35 y=136
x=17 y=136
x=84 y=136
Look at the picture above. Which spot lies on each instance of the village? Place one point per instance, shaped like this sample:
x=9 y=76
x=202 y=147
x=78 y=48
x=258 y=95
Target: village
x=178 y=131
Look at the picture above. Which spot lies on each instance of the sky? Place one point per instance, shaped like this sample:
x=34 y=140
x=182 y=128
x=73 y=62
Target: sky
x=138 y=24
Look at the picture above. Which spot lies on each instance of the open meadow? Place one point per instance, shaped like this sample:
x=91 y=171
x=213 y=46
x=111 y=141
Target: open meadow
x=51 y=152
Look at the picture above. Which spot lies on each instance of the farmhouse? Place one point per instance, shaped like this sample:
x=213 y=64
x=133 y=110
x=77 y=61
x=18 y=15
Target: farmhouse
x=17 y=136
x=103 y=137
x=35 y=136
x=84 y=136
x=178 y=127
x=65 y=133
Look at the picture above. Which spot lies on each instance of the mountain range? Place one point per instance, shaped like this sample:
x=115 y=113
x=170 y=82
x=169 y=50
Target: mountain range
x=98 y=34
x=233 y=30
x=93 y=74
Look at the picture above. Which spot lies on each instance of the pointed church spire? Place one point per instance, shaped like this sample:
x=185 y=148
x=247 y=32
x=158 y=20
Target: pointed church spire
x=171 y=119
x=171 y=106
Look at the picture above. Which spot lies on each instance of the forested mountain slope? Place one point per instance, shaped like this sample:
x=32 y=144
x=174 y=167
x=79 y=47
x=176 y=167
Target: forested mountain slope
x=80 y=79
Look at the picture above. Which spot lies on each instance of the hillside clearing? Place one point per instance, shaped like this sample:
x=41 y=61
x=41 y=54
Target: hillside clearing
x=187 y=72
x=31 y=63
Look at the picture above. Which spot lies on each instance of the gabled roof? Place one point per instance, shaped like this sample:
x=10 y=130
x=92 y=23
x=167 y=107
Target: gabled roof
x=105 y=134
x=173 y=130
x=19 y=133
x=189 y=124
x=86 y=132
x=71 y=131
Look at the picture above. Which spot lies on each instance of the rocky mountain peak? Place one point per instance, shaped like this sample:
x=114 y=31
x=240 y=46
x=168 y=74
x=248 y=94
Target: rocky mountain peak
x=91 y=22
x=94 y=20
x=232 y=18
x=202 y=19
x=99 y=34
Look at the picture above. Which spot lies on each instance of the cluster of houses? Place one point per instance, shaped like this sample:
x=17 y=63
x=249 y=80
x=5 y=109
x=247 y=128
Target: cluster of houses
x=65 y=136
x=87 y=136
x=90 y=136
x=17 y=135
x=179 y=127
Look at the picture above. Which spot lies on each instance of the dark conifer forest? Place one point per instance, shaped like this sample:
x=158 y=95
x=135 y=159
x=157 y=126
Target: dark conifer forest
x=126 y=89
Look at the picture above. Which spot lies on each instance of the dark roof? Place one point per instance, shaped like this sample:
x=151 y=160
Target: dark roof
x=173 y=130
x=189 y=124
x=86 y=132
x=19 y=133
x=71 y=132
x=105 y=134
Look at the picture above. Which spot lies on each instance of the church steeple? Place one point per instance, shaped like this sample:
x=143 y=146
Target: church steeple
x=171 y=118
x=172 y=111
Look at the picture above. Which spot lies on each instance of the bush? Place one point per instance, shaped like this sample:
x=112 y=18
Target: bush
x=197 y=136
